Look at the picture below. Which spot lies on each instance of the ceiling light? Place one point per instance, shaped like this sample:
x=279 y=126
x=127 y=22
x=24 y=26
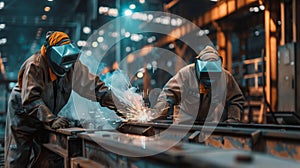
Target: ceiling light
x=100 y=39
x=140 y=75
x=132 y=6
x=44 y=17
x=2 y=4
x=95 y=44
x=3 y=41
x=2 y=26
x=128 y=12
x=81 y=43
x=47 y=9
x=113 y=12
x=86 y=30
x=261 y=7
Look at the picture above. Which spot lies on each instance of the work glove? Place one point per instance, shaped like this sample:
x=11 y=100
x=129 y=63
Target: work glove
x=104 y=97
x=60 y=122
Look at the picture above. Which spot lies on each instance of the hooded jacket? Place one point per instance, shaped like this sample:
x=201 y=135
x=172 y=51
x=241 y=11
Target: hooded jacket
x=223 y=101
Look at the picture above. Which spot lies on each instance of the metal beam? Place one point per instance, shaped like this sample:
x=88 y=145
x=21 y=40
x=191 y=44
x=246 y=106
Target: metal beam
x=221 y=10
x=170 y=5
x=271 y=54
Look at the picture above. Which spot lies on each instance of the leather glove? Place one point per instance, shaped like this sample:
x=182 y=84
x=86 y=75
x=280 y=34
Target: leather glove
x=16 y=104
x=60 y=122
x=104 y=97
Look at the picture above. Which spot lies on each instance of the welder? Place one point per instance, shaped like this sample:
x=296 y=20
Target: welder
x=201 y=92
x=45 y=82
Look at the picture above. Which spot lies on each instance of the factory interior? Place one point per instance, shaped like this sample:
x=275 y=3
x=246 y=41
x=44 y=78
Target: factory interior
x=142 y=44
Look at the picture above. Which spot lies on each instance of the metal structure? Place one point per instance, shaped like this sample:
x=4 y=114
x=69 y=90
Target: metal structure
x=230 y=145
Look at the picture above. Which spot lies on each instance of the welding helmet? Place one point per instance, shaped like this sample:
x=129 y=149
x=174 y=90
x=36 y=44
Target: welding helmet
x=208 y=66
x=62 y=55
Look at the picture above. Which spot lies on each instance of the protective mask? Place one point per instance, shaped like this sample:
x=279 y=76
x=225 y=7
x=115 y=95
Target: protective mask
x=62 y=58
x=208 y=70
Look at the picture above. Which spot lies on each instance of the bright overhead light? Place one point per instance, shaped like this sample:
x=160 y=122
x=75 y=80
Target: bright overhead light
x=113 y=12
x=2 y=26
x=261 y=7
x=128 y=12
x=86 y=30
x=95 y=44
x=132 y=6
x=2 y=4
x=3 y=41
x=140 y=75
x=44 y=17
x=100 y=39
x=81 y=43
x=47 y=8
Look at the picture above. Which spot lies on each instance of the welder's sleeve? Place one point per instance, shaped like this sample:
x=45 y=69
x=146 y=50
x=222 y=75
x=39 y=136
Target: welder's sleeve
x=170 y=96
x=234 y=100
x=90 y=86
x=32 y=88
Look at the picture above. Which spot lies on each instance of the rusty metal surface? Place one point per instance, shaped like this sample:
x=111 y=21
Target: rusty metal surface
x=181 y=155
x=283 y=149
x=229 y=145
x=285 y=139
x=227 y=142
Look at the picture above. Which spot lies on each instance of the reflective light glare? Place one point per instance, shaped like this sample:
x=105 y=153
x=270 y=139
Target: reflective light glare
x=108 y=11
x=127 y=34
x=128 y=49
x=2 y=26
x=103 y=9
x=142 y=1
x=262 y=7
x=44 y=17
x=136 y=37
x=81 y=43
x=3 y=41
x=68 y=66
x=171 y=46
x=257 y=9
x=128 y=12
x=47 y=9
x=114 y=34
x=100 y=39
x=113 y=12
x=88 y=53
x=151 y=39
x=203 y=32
x=86 y=30
x=101 y=32
x=140 y=75
x=94 y=44
x=50 y=0
x=141 y=16
x=2 y=4
x=132 y=6
x=169 y=63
